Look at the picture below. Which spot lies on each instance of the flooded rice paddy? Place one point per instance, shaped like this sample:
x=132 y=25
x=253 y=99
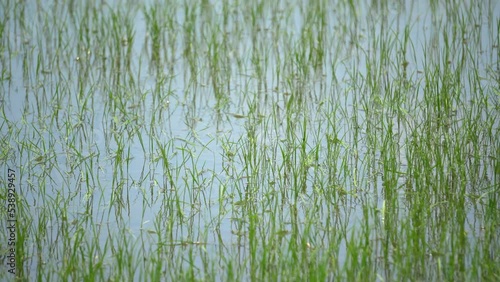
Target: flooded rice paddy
x=250 y=140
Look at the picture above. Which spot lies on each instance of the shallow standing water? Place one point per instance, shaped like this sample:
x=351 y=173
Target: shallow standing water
x=230 y=138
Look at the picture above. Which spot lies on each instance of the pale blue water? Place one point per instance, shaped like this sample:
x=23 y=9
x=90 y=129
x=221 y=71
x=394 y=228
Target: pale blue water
x=178 y=110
